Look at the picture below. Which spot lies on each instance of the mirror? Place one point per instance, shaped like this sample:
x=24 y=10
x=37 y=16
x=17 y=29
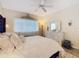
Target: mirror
x=53 y=26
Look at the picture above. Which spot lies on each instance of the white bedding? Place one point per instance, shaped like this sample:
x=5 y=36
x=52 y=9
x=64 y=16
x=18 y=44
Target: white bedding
x=32 y=47
x=38 y=46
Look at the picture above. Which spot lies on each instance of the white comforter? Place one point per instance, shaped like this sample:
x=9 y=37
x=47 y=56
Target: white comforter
x=35 y=46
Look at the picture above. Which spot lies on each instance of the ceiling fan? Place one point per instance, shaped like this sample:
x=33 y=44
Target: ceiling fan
x=43 y=5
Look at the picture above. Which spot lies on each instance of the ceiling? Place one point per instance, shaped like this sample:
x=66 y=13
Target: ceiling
x=31 y=6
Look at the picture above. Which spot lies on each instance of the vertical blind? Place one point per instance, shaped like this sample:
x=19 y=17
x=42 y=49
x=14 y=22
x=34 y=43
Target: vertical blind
x=25 y=25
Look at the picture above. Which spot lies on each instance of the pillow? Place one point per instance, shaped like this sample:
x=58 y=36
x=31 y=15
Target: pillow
x=5 y=45
x=15 y=39
x=21 y=36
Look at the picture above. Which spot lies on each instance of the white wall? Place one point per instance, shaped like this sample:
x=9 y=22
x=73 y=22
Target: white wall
x=64 y=17
x=10 y=17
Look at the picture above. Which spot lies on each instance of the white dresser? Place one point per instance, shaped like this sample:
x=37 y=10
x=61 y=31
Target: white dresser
x=57 y=36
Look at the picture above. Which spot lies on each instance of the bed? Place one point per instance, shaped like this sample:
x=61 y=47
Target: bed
x=39 y=47
x=12 y=45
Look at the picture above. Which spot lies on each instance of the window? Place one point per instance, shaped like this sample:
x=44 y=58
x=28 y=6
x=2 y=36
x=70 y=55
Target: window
x=53 y=26
x=25 y=25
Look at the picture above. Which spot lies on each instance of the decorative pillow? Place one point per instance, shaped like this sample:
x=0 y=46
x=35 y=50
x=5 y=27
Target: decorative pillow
x=15 y=39
x=21 y=36
x=5 y=45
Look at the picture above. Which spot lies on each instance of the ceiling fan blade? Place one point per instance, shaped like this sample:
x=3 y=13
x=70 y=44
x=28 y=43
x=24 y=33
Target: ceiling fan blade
x=44 y=9
x=48 y=6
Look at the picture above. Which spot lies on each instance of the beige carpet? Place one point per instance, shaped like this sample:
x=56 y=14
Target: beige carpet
x=74 y=52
